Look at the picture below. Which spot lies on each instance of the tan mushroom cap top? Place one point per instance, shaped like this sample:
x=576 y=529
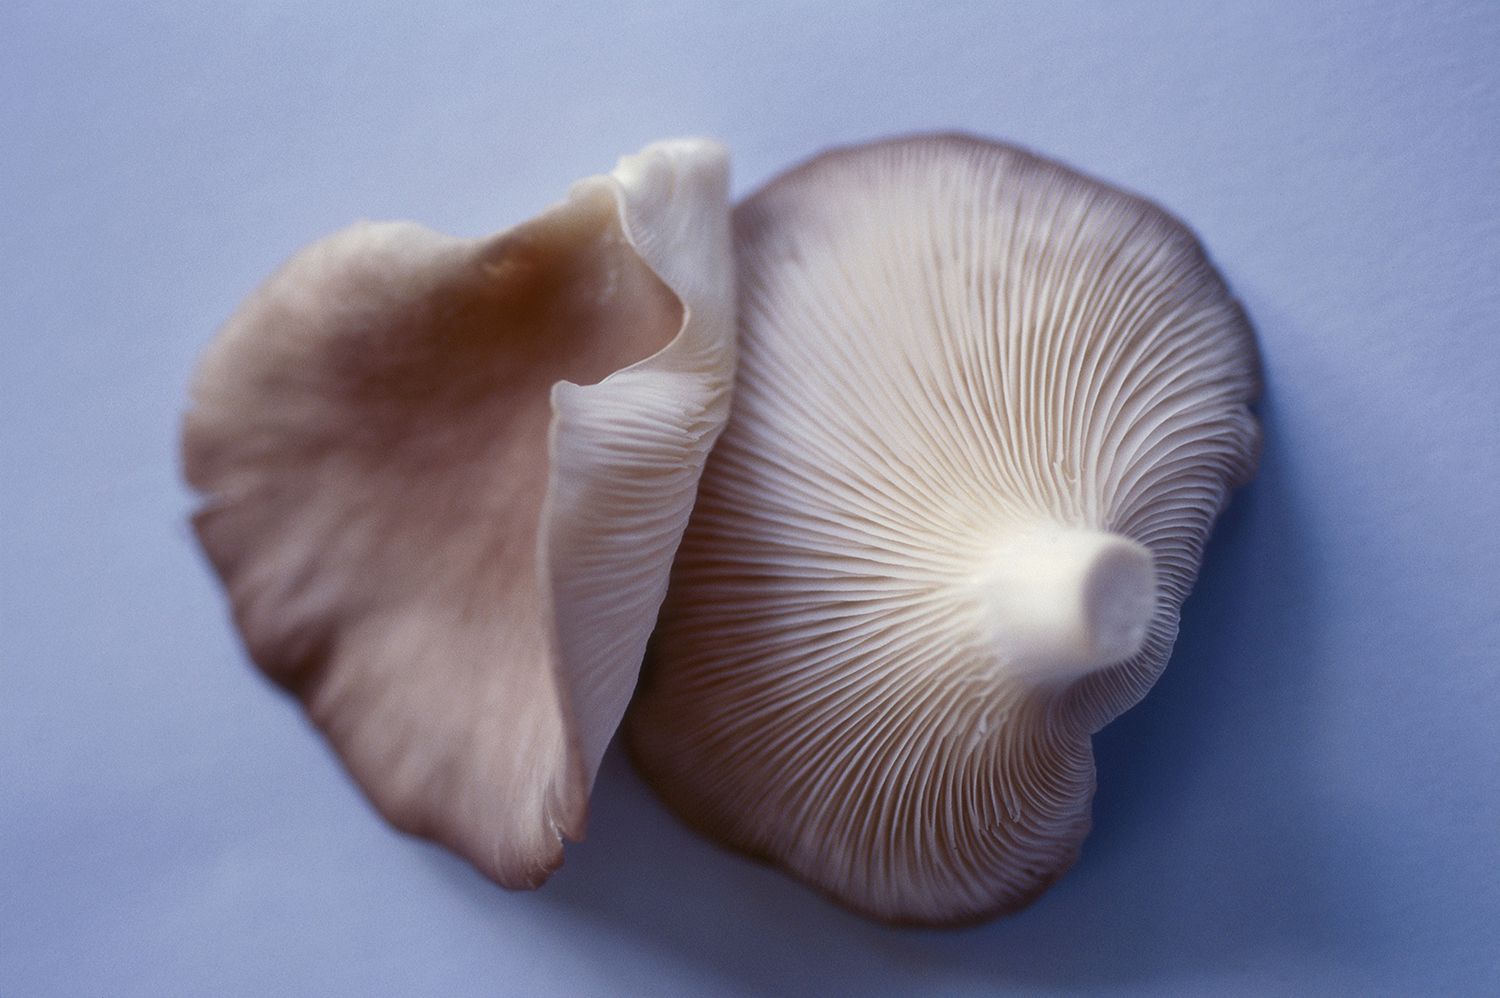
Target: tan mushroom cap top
x=443 y=482
x=986 y=413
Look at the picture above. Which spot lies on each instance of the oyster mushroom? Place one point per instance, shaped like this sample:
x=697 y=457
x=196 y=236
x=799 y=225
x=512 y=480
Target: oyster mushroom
x=443 y=482
x=986 y=413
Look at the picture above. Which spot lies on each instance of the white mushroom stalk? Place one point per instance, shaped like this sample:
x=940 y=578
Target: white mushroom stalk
x=444 y=480
x=986 y=413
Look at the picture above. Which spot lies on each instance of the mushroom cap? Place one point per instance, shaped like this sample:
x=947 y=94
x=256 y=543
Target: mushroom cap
x=443 y=481
x=986 y=412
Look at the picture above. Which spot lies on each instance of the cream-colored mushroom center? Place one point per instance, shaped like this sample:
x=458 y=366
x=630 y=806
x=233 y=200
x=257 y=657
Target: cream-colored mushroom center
x=1060 y=602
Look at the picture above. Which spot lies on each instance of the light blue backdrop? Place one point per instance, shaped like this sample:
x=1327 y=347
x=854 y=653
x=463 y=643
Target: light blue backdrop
x=1309 y=801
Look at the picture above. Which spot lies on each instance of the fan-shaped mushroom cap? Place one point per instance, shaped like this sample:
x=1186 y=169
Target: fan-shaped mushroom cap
x=986 y=412
x=444 y=480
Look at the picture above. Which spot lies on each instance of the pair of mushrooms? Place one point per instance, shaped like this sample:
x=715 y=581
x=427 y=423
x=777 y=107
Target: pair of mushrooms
x=903 y=468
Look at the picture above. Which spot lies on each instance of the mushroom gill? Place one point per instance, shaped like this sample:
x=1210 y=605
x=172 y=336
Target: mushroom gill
x=443 y=481
x=986 y=412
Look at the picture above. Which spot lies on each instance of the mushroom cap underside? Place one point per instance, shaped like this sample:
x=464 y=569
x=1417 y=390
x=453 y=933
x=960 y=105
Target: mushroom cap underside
x=967 y=374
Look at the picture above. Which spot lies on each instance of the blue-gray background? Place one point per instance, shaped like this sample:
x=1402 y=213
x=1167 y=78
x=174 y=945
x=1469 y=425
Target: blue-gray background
x=1308 y=801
